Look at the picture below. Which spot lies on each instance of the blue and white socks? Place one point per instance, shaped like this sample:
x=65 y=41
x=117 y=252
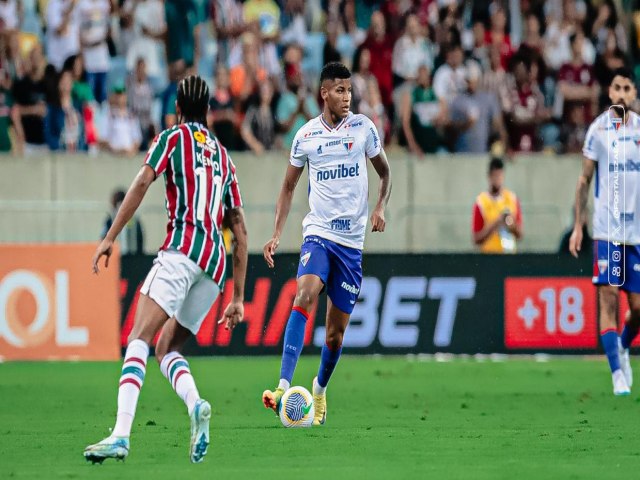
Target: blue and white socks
x=328 y=361
x=609 y=340
x=293 y=343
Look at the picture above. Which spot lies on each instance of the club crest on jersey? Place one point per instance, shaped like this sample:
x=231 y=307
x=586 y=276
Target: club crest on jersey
x=304 y=259
x=636 y=140
x=616 y=121
x=348 y=143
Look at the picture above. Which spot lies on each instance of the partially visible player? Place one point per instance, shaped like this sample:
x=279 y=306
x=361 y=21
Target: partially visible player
x=335 y=146
x=611 y=152
x=188 y=274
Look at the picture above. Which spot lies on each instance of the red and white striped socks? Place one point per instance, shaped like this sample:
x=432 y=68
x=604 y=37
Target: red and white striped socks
x=176 y=369
x=131 y=379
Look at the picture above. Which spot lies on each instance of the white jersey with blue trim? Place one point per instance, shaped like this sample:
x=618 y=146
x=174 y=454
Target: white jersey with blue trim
x=615 y=147
x=338 y=185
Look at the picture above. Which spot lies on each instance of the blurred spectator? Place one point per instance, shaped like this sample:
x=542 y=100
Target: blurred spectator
x=259 y=125
x=168 y=114
x=449 y=79
x=410 y=51
x=330 y=52
x=222 y=117
x=62 y=124
x=380 y=45
x=10 y=12
x=606 y=21
x=533 y=43
x=11 y=57
x=263 y=18
x=94 y=18
x=494 y=79
x=352 y=35
x=63 y=31
x=557 y=48
x=147 y=37
x=524 y=109
x=422 y=114
x=295 y=106
x=448 y=23
x=9 y=116
x=131 y=239
x=361 y=74
x=140 y=97
x=474 y=116
x=246 y=76
x=480 y=50
x=229 y=25
x=29 y=94
x=497 y=216
x=497 y=34
x=121 y=132
x=372 y=107
x=577 y=96
x=292 y=21
x=183 y=18
x=83 y=101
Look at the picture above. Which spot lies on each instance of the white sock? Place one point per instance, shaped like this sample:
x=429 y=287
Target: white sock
x=131 y=379
x=176 y=369
x=284 y=384
x=317 y=389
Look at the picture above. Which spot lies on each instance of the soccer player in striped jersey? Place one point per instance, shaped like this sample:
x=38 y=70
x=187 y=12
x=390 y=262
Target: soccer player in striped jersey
x=612 y=151
x=335 y=146
x=188 y=274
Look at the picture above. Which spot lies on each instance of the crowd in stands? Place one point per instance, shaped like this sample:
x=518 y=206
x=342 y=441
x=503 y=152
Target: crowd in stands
x=471 y=76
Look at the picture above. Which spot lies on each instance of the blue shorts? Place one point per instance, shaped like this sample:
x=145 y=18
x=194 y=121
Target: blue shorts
x=617 y=265
x=339 y=268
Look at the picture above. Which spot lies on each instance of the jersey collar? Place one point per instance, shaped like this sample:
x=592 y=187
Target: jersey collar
x=337 y=127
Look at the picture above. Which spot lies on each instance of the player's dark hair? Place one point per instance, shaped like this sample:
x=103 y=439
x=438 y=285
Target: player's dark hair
x=333 y=70
x=193 y=99
x=496 y=164
x=624 y=72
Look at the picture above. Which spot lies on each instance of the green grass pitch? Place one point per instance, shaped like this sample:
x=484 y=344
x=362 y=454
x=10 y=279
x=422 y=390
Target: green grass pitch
x=388 y=418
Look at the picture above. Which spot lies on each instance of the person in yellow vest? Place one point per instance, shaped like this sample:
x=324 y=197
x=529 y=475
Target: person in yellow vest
x=497 y=216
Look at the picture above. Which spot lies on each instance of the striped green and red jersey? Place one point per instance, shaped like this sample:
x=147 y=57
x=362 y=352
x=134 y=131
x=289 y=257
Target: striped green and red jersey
x=201 y=184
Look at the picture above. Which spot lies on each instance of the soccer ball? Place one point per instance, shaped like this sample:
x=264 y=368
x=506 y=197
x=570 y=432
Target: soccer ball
x=296 y=408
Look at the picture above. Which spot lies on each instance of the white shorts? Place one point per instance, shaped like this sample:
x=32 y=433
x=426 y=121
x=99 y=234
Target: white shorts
x=181 y=289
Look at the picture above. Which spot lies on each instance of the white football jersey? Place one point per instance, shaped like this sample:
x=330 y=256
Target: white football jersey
x=615 y=147
x=338 y=186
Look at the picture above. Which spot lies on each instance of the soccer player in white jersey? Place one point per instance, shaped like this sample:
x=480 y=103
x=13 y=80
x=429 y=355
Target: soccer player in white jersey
x=335 y=146
x=612 y=152
x=188 y=274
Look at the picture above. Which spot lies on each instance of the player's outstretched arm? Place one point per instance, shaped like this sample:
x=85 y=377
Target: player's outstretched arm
x=282 y=211
x=381 y=165
x=582 y=194
x=234 y=313
x=130 y=204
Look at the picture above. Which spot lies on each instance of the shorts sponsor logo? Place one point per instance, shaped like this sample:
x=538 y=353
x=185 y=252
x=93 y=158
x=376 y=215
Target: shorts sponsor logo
x=636 y=267
x=350 y=288
x=304 y=259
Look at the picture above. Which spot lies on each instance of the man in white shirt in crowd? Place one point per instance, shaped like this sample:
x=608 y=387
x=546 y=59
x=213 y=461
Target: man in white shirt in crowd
x=121 y=132
x=63 y=37
x=94 y=22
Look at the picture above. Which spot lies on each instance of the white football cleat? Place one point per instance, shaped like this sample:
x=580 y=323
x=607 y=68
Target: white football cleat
x=110 y=447
x=620 y=386
x=625 y=364
x=200 y=417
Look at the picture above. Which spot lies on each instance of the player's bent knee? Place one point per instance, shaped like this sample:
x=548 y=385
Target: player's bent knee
x=304 y=299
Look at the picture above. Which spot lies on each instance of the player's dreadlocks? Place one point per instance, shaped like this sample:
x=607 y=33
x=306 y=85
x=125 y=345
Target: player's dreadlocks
x=193 y=99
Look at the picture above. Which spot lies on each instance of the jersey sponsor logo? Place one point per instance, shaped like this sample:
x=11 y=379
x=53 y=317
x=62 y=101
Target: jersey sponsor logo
x=304 y=259
x=200 y=137
x=341 y=224
x=295 y=149
x=350 y=288
x=312 y=134
x=332 y=143
x=341 y=171
x=376 y=142
x=354 y=125
x=205 y=161
x=348 y=143
x=628 y=166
